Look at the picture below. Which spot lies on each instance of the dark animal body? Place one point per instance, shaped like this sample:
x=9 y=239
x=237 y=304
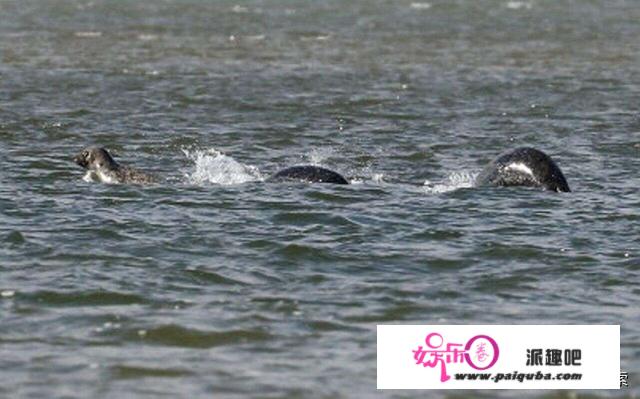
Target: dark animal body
x=309 y=174
x=102 y=167
x=519 y=167
x=524 y=166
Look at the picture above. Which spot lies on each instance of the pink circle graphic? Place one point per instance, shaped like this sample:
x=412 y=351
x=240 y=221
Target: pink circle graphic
x=430 y=337
x=494 y=344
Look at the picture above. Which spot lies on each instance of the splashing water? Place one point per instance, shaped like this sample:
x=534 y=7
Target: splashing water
x=454 y=181
x=376 y=178
x=212 y=166
x=319 y=155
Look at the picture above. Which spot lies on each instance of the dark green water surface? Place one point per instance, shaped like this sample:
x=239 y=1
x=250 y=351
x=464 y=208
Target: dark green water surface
x=215 y=283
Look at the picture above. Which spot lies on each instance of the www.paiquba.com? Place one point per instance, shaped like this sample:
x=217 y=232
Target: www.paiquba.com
x=520 y=377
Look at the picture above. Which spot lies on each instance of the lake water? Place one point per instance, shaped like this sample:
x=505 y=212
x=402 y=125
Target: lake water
x=214 y=282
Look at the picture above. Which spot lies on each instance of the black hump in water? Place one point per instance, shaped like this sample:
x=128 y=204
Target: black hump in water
x=308 y=173
x=523 y=167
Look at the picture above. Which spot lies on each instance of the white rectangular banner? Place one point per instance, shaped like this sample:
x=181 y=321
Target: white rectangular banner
x=499 y=357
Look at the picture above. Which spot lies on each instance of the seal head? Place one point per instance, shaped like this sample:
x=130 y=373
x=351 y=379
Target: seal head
x=96 y=158
x=103 y=168
x=309 y=174
x=523 y=166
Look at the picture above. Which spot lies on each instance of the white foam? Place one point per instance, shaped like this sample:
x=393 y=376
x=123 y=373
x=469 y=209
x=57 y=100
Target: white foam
x=319 y=38
x=319 y=155
x=87 y=34
x=420 y=6
x=517 y=5
x=211 y=166
x=454 y=181
x=239 y=9
x=147 y=37
x=378 y=178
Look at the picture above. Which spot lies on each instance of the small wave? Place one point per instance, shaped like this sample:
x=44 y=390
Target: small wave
x=454 y=181
x=136 y=372
x=84 y=298
x=256 y=38
x=87 y=34
x=179 y=336
x=7 y=294
x=239 y=9
x=420 y=6
x=147 y=37
x=15 y=237
x=211 y=166
x=319 y=38
x=517 y=5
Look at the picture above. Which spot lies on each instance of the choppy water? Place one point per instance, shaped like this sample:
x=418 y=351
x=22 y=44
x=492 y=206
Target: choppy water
x=216 y=283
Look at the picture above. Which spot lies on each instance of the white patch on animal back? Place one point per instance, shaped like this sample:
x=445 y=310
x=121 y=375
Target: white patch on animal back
x=519 y=167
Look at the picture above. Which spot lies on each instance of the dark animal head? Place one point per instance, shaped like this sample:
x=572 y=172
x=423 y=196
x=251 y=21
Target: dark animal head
x=95 y=158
